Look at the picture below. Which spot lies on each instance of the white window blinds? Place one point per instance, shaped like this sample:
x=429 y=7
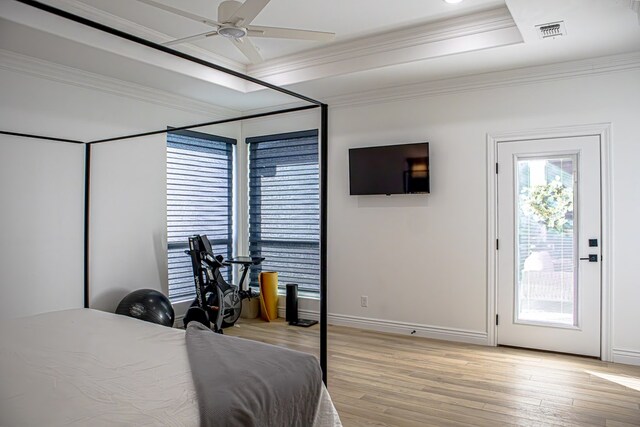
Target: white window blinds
x=284 y=207
x=199 y=201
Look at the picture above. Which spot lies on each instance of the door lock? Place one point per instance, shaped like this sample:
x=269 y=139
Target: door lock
x=590 y=258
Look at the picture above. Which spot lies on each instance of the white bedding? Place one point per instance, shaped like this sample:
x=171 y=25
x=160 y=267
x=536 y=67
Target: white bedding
x=87 y=367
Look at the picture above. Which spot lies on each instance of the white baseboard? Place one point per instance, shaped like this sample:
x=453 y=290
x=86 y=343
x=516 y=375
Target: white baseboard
x=628 y=357
x=403 y=328
x=394 y=327
x=304 y=314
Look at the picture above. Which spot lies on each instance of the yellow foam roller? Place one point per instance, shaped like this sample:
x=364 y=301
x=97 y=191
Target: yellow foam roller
x=268 y=295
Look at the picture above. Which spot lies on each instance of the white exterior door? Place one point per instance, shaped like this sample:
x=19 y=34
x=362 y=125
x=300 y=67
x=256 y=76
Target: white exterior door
x=549 y=274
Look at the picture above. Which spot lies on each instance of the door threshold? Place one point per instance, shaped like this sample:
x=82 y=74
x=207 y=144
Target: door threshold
x=537 y=350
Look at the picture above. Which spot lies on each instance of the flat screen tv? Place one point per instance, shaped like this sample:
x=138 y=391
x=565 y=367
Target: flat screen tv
x=390 y=169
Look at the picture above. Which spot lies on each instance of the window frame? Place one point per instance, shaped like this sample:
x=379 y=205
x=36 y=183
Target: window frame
x=304 y=244
x=228 y=242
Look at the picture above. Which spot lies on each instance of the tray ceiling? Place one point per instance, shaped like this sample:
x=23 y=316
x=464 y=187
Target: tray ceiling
x=385 y=43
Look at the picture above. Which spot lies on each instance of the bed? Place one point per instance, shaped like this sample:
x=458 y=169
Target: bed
x=87 y=367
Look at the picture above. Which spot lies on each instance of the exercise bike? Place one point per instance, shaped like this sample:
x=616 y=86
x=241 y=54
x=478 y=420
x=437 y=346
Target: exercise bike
x=218 y=304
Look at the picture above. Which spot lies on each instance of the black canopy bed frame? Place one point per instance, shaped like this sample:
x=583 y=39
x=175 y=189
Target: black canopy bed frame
x=311 y=104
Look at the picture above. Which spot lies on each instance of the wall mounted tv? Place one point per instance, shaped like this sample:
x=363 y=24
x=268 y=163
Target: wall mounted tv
x=390 y=169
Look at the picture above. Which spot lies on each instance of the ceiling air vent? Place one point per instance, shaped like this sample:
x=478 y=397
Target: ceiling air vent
x=551 y=30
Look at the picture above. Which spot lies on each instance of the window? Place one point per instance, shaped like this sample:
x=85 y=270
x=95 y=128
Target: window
x=284 y=207
x=199 y=201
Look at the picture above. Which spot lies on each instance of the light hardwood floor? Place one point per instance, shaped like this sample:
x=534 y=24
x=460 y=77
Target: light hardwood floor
x=378 y=379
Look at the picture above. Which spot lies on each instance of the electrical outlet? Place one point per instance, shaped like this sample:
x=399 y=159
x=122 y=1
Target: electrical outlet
x=364 y=301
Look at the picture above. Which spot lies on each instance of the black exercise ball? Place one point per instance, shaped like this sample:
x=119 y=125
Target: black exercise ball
x=148 y=305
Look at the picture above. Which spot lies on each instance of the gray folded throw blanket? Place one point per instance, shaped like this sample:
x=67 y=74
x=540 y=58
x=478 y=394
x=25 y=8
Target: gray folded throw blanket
x=247 y=383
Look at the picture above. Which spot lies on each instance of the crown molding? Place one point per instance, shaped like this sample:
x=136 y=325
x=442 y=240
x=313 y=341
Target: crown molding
x=371 y=52
x=12 y=61
x=99 y=15
x=515 y=77
x=393 y=47
x=23 y=64
x=480 y=30
x=507 y=78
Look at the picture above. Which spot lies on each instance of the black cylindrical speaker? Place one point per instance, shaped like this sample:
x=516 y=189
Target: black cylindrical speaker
x=292 y=302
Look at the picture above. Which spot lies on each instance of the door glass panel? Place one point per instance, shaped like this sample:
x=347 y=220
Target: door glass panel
x=545 y=241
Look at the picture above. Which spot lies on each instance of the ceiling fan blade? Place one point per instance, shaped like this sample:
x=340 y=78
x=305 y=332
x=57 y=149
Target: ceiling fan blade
x=248 y=49
x=289 y=33
x=181 y=12
x=191 y=38
x=247 y=12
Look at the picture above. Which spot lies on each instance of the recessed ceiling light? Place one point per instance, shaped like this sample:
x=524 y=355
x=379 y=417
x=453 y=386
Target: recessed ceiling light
x=452 y=1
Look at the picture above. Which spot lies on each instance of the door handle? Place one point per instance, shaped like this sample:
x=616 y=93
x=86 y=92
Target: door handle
x=590 y=258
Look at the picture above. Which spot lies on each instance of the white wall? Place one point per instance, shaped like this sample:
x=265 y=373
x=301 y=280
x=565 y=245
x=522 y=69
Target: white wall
x=42 y=191
x=129 y=217
x=422 y=259
x=41 y=226
x=31 y=103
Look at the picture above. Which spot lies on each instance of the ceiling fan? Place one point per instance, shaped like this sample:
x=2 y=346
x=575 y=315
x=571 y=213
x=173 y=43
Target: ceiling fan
x=234 y=19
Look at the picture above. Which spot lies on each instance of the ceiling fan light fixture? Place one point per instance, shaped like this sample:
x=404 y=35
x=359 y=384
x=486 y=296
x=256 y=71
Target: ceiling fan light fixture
x=231 y=32
x=234 y=23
